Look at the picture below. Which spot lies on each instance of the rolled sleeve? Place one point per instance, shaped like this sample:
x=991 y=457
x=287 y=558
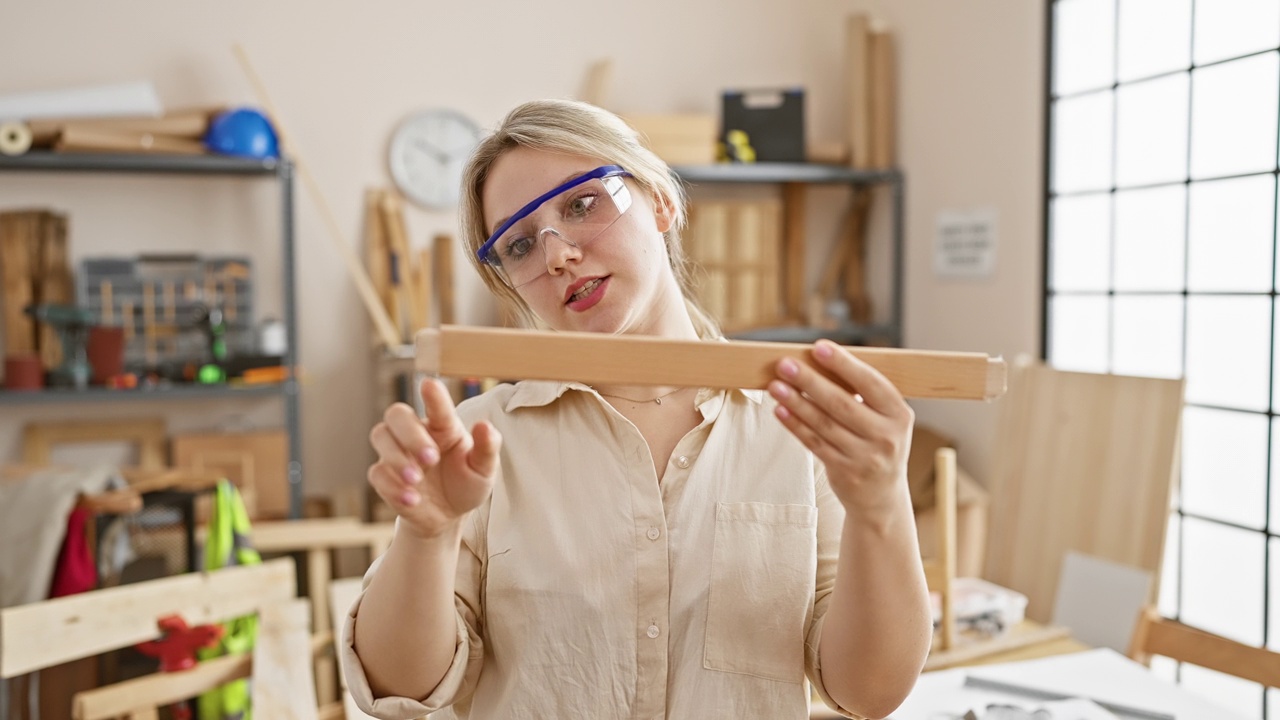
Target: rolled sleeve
x=830 y=524
x=459 y=680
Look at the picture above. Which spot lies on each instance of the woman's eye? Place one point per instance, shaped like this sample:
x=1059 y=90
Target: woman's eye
x=518 y=248
x=581 y=205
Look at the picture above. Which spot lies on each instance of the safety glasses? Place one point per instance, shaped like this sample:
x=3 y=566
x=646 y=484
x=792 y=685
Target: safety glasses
x=576 y=213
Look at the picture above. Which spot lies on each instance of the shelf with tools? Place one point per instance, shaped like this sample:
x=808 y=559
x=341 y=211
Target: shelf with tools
x=749 y=265
x=281 y=171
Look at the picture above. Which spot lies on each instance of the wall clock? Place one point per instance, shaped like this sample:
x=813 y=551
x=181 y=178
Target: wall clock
x=427 y=154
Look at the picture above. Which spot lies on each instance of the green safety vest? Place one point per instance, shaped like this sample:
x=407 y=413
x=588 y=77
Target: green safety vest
x=229 y=544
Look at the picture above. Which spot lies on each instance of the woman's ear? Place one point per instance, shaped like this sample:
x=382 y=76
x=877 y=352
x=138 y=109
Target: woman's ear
x=664 y=212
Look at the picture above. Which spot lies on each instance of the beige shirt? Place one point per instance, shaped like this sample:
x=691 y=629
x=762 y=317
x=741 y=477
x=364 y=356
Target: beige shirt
x=589 y=588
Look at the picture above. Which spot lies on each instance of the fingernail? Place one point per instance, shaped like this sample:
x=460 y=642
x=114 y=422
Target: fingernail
x=408 y=497
x=788 y=367
x=411 y=475
x=782 y=412
x=824 y=350
x=429 y=456
x=779 y=390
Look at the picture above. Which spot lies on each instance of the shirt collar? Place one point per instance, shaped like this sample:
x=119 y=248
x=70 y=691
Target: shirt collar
x=537 y=393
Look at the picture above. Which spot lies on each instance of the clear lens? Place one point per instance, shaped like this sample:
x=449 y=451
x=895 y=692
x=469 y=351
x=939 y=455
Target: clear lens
x=576 y=217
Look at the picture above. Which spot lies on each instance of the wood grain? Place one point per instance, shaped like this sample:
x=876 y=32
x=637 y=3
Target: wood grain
x=642 y=360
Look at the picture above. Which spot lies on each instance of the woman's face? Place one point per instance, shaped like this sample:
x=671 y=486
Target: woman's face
x=619 y=283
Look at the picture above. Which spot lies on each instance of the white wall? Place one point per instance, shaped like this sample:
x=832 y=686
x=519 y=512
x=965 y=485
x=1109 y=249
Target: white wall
x=342 y=76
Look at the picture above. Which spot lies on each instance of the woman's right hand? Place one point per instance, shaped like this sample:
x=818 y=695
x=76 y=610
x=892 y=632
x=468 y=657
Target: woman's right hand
x=432 y=472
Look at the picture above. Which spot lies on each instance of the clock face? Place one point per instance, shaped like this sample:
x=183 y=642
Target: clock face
x=428 y=151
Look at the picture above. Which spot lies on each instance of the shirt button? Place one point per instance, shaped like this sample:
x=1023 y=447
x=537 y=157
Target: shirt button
x=652 y=631
x=653 y=533
x=683 y=461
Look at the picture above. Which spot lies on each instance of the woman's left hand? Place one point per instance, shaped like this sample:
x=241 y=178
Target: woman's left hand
x=861 y=430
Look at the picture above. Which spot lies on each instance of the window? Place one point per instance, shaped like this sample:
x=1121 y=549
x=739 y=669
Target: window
x=1160 y=255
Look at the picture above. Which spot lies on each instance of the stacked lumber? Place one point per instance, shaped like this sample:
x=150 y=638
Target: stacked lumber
x=179 y=132
x=35 y=269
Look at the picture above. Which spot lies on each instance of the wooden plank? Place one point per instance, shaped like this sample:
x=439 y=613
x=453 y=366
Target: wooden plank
x=595 y=88
x=1156 y=635
x=320 y=533
x=377 y=254
x=857 y=80
x=17 y=269
x=965 y=653
x=157 y=690
x=643 y=360
x=793 y=243
x=342 y=595
x=443 y=247
x=405 y=286
x=423 y=278
x=283 y=687
x=883 y=93
x=1087 y=463
x=319 y=575
x=945 y=470
x=149 y=434
x=87 y=138
x=55 y=631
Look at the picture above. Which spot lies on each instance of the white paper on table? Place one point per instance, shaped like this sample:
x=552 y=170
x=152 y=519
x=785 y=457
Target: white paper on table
x=133 y=99
x=1098 y=675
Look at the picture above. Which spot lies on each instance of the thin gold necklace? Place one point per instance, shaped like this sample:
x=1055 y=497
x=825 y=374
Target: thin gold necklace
x=657 y=400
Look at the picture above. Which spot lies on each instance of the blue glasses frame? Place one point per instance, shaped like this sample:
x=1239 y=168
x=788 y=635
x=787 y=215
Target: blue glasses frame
x=601 y=172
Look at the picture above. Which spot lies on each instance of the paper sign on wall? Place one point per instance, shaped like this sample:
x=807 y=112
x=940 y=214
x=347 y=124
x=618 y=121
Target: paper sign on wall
x=965 y=245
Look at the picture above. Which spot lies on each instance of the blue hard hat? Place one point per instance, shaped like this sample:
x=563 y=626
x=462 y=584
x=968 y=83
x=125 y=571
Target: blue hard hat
x=244 y=132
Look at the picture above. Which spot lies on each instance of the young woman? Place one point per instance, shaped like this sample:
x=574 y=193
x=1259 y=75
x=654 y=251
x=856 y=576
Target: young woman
x=574 y=551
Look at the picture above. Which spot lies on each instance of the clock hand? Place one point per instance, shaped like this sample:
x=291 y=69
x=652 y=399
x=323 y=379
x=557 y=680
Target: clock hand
x=431 y=149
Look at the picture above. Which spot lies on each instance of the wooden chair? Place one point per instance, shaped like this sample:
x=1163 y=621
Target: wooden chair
x=1156 y=635
x=940 y=572
x=45 y=634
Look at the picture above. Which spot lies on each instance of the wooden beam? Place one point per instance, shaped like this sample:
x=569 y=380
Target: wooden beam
x=643 y=360
x=328 y=533
x=793 y=244
x=283 y=686
x=159 y=689
x=49 y=633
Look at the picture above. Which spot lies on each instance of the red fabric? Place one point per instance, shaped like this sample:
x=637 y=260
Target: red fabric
x=76 y=571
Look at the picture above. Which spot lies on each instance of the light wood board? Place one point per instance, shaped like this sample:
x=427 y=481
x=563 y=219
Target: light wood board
x=1084 y=462
x=43 y=634
x=643 y=360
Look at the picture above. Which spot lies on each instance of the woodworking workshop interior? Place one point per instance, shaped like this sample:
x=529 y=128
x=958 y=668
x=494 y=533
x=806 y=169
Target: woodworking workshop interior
x=809 y=359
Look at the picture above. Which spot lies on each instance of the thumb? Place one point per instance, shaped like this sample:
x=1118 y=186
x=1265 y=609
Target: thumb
x=483 y=457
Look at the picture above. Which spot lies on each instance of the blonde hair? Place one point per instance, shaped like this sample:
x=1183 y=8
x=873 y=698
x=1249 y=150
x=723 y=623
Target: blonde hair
x=576 y=128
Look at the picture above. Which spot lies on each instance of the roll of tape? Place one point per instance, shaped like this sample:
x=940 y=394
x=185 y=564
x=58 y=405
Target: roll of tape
x=15 y=138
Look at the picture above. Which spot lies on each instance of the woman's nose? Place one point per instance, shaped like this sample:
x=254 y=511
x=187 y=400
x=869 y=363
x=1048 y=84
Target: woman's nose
x=559 y=250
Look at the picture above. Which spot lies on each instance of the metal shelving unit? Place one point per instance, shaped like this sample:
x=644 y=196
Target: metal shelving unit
x=282 y=171
x=813 y=173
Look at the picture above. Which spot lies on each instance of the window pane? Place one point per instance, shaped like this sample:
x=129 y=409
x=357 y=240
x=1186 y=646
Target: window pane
x=1273 y=641
x=1081 y=243
x=1222 y=580
x=1274 y=521
x=1082 y=143
x=1151 y=238
x=1230 y=28
x=1224 y=466
x=1084 y=45
x=1151 y=131
x=1231 y=236
x=1147 y=338
x=1228 y=351
x=1229 y=692
x=1168 y=603
x=1155 y=37
x=1233 y=122
x=1079 y=329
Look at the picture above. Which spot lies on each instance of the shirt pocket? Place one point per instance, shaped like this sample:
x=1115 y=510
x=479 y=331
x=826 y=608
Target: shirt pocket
x=762 y=574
